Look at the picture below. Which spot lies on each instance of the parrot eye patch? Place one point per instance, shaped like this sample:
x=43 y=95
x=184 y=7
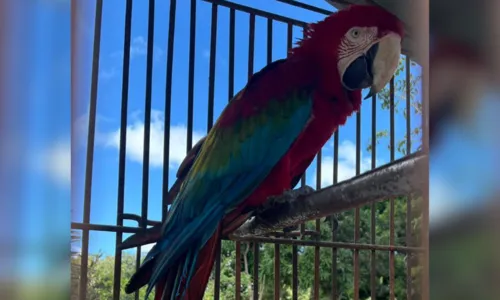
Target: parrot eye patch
x=359 y=73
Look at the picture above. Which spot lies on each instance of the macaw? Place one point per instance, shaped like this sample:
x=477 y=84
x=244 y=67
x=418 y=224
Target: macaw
x=265 y=139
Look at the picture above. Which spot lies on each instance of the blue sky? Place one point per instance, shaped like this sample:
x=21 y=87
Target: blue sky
x=104 y=189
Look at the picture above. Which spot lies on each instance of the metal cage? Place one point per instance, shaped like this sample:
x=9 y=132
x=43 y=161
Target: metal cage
x=308 y=235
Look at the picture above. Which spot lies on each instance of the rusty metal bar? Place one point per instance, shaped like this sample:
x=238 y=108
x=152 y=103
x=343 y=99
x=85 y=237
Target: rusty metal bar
x=325 y=244
x=168 y=105
x=306 y=6
x=373 y=271
x=356 y=211
x=90 y=149
x=334 y=233
x=258 y=12
x=408 y=199
x=190 y=99
x=211 y=76
x=391 y=212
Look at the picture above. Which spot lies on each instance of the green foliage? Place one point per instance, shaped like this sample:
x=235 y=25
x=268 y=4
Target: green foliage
x=100 y=276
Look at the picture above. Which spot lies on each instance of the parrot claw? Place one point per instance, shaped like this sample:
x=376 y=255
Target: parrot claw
x=287 y=196
x=300 y=192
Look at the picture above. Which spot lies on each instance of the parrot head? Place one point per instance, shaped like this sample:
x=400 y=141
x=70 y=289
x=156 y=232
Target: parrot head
x=353 y=49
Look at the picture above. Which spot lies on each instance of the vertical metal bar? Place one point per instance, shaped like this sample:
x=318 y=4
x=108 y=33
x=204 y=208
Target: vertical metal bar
x=251 y=44
x=217 y=270
x=408 y=106
x=211 y=76
x=232 y=21
x=147 y=114
x=232 y=33
x=303 y=179
x=334 y=234
x=318 y=230
x=277 y=262
x=168 y=104
x=147 y=127
x=90 y=149
x=256 y=253
x=408 y=199
x=256 y=246
x=295 y=280
x=391 y=225
x=356 y=211
x=238 y=271
x=373 y=275
x=123 y=144
x=192 y=43
x=137 y=264
x=392 y=131
x=219 y=242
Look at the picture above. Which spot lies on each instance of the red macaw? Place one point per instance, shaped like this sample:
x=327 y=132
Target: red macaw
x=265 y=138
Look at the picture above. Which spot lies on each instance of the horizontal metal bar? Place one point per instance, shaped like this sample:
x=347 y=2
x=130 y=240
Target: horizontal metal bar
x=138 y=219
x=109 y=228
x=353 y=246
x=306 y=6
x=258 y=12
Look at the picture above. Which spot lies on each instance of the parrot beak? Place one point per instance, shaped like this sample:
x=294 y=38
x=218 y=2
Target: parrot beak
x=385 y=62
x=375 y=67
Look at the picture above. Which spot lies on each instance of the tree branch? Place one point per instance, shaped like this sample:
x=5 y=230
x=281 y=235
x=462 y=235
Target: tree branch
x=399 y=178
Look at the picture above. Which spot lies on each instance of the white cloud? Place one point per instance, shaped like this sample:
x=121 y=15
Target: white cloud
x=139 y=47
x=135 y=140
x=346 y=164
x=55 y=162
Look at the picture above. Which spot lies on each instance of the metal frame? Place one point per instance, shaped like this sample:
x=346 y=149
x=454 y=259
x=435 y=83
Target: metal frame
x=291 y=239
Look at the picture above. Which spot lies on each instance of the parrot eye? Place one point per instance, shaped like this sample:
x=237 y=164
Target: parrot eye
x=355 y=33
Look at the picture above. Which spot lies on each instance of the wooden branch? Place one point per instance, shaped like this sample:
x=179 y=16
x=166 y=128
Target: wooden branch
x=399 y=178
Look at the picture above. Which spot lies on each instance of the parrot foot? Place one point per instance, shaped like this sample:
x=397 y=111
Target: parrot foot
x=287 y=196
